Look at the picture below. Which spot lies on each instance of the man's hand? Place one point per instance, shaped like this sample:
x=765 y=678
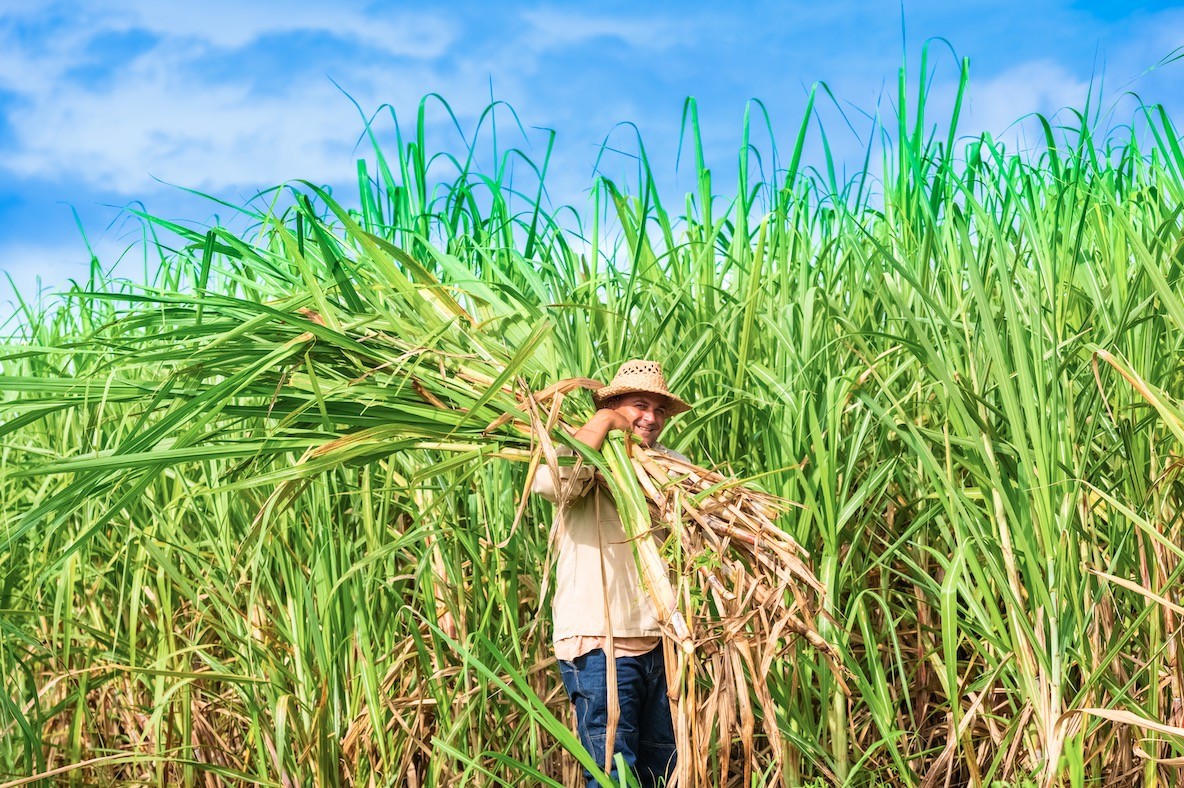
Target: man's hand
x=600 y=425
x=615 y=419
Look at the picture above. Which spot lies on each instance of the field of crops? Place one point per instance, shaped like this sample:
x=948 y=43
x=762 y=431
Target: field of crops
x=253 y=528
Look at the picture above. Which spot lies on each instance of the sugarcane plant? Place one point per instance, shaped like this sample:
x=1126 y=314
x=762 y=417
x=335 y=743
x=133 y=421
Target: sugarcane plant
x=263 y=518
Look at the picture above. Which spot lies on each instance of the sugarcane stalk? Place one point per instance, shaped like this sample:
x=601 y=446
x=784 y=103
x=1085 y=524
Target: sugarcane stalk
x=635 y=521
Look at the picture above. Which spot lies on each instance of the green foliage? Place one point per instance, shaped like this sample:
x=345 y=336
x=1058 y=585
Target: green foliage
x=970 y=383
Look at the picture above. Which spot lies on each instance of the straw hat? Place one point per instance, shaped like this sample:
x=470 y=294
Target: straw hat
x=635 y=376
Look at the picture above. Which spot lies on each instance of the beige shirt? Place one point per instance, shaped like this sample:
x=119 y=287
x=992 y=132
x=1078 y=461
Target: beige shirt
x=594 y=557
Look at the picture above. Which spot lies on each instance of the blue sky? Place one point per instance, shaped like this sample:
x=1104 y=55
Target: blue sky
x=116 y=103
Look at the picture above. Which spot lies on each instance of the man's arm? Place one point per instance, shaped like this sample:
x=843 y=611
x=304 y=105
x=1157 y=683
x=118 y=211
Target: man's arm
x=592 y=435
x=599 y=426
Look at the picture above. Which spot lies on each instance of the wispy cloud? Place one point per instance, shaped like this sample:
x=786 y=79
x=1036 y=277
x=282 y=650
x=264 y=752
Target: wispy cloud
x=230 y=24
x=168 y=112
x=1005 y=105
x=551 y=28
x=160 y=114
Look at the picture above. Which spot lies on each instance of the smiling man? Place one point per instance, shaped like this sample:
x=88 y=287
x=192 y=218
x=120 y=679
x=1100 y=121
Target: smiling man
x=600 y=605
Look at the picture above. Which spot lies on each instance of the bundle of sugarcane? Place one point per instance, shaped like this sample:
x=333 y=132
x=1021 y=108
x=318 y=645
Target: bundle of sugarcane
x=747 y=592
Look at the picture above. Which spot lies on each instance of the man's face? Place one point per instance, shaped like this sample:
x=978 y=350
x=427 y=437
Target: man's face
x=646 y=413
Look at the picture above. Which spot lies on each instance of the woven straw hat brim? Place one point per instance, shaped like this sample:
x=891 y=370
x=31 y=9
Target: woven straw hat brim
x=613 y=390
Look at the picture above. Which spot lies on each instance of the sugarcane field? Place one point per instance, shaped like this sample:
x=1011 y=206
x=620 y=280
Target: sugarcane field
x=783 y=472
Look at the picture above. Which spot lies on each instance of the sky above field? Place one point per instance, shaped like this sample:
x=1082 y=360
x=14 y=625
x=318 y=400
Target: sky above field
x=109 y=106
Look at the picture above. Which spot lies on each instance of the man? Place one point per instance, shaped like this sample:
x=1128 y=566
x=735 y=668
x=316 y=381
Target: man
x=598 y=591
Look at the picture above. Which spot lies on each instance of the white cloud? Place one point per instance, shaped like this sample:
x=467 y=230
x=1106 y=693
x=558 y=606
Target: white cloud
x=159 y=117
x=551 y=29
x=1004 y=105
x=232 y=24
x=157 y=124
x=1040 y=86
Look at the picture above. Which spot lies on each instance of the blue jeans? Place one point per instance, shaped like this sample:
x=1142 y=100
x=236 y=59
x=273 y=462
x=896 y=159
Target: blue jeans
x=645 y=731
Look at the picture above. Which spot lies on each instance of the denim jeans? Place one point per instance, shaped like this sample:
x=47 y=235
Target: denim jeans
x=645 y=731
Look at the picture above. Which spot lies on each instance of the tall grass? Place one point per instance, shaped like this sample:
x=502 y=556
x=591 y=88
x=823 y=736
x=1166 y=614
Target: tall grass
x=970 y=383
